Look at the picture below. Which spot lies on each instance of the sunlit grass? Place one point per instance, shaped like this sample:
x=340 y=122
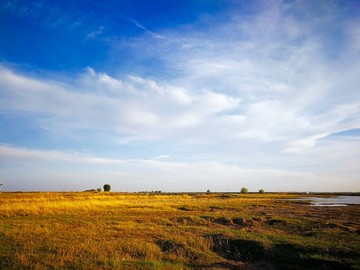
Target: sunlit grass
x=171 y=231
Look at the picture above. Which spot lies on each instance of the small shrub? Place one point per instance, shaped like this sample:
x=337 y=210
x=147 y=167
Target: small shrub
x=244 y=190
x=107 y=187
x=261 y=191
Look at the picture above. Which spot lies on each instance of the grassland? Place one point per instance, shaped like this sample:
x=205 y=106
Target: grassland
x=175 y=231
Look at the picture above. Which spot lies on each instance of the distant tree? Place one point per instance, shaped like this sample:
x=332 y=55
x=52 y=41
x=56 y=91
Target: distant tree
x=107 y=187
x=208 y=191
x=98 y=189
x=261 y=191
x=244 y=190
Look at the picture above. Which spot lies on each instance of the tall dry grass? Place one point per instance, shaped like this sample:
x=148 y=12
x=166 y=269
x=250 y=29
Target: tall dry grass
x=167 y=231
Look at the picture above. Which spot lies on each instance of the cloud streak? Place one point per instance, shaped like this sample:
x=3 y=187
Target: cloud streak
x=177 y=175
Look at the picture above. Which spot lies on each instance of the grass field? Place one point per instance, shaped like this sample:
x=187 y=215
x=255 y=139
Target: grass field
x=175 y=231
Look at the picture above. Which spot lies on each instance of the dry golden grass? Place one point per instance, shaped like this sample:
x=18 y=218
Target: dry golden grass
x=174 y=231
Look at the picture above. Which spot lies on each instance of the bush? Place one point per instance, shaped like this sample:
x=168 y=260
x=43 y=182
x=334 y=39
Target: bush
x=244 y=190
x=261 y=191
x=107 y=187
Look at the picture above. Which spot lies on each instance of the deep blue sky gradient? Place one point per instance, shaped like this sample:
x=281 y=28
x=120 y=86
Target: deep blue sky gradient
x=53 y=35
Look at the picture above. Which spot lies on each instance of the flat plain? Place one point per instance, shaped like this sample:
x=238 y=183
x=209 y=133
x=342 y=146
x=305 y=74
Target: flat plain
x=84 y=230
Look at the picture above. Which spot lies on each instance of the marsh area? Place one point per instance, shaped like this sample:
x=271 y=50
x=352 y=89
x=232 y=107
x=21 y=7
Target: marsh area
x=75 y=230
x=332 y=201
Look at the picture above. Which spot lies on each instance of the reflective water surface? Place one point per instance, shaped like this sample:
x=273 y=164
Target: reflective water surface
x=335 y=201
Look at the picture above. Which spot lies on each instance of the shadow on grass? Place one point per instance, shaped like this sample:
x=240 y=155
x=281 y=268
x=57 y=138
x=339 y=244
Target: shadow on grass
x=281 y=256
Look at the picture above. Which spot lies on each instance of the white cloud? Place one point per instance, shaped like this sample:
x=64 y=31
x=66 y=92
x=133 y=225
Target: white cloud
x=303 y=144
x=26 y=155
x=171 y=176
x=290 y=89
x=142 y=27
x=11 y=153
x=136 y=105
x=180 y=96
x=161 y=157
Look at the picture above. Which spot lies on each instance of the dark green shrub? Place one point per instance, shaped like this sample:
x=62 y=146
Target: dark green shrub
x=107 y=187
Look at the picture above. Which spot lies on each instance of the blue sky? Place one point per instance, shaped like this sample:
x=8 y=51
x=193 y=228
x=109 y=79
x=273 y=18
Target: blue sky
x=180 y=95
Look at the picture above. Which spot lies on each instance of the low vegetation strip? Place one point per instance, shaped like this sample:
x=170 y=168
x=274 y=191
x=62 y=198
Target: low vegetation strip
x=175 y=231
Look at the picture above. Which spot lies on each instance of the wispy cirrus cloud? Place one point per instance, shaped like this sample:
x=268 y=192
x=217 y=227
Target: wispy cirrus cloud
x=96 y=32
x=295 y=80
